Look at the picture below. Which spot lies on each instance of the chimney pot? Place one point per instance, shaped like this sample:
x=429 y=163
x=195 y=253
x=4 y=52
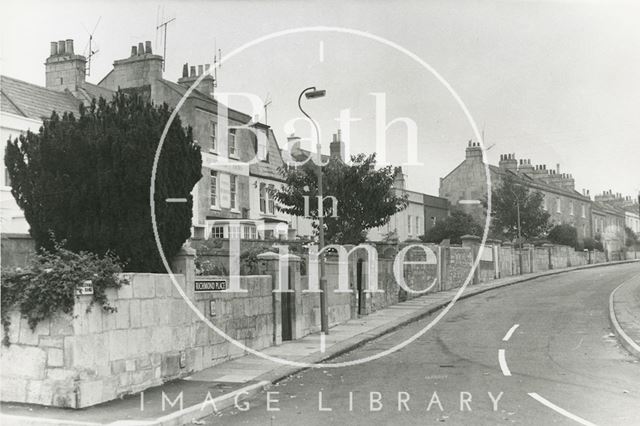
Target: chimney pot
x=185 y=70
x=140 y=48
x=193 y=71
x=147 y=47
x=69 y=46
x=61 y=47
x=54 y=48
x=200 y=70
x=206 y=67
x=134 y=50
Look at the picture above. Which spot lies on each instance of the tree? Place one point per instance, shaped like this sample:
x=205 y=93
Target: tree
x=86 y=180
x=453 y=227
x=505 y=199
x=365 y=196
x=564 y=234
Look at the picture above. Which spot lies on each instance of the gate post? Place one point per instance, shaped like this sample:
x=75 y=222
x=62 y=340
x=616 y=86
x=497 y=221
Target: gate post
x=184 y=263
x=270 y=265
x=472 y=242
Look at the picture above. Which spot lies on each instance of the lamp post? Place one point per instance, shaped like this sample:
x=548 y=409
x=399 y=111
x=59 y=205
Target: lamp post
x=313 y=93
x=519 y=229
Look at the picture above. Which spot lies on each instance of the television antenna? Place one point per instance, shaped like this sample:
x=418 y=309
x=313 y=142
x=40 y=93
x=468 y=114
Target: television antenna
x=267 y=102
x=91 y=51
x=164 y=43
x=217 y=63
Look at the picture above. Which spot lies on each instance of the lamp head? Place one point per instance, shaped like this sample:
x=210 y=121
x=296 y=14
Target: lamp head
x=315 y=94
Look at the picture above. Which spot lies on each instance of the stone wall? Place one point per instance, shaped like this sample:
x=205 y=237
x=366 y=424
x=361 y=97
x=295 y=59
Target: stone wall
x=91 y=357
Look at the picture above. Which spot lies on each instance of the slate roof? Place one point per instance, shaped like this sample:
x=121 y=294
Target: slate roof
x=88 y=91
x=196 y=94
x=32 y=101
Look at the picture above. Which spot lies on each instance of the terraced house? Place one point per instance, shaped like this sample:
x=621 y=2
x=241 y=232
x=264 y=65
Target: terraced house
x=240 y=156
x=467 y=183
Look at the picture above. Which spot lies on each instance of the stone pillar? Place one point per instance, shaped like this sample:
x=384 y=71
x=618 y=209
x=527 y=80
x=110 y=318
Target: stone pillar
x=270 y=265
x=549 y=248
x=509 y=245
x=494 y=246
x=530 y=251
x=473 y=243
x=184 y=263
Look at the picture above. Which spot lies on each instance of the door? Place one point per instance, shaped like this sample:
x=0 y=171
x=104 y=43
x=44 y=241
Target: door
x=359 y=281
x=287 y=309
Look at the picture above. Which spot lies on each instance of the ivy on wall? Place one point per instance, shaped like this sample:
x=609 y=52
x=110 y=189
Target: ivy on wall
x=48 y=284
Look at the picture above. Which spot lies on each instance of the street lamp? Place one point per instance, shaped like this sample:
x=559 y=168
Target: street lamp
x=519 y=229
x=313 y=93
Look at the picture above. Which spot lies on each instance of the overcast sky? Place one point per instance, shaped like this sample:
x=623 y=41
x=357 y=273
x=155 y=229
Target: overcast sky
x=553 y=81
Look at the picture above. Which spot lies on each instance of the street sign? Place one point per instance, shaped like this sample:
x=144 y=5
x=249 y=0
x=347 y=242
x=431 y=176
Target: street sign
x=85 y=289
x=205 y=286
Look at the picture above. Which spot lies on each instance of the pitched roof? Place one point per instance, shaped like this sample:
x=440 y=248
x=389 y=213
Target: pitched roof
x=196 y=94
x=33 y=101
x=270 y=168
x=89 y=91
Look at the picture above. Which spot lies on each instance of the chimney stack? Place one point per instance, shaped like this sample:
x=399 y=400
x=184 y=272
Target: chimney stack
x=336 y=147
x=473 y=151
x=191 y=73
x=63 y=68
x=134 y=50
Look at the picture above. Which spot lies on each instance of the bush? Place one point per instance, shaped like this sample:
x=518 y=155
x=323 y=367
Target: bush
x=47 y=286
x=564 y=234
x=452 y=228
x=591 y=244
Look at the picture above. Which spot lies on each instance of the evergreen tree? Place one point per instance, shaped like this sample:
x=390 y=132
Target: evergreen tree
x=86 y=180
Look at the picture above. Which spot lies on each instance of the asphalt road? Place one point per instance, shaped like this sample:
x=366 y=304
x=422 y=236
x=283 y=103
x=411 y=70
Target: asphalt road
x=562 y=353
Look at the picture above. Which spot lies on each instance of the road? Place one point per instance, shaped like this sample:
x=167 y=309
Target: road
x=565 y=366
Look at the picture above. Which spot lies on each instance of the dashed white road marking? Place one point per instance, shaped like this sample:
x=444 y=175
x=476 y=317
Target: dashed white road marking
x=322 y=342
x=503 y=363
x=176 y=200
x=560 y=410
x=510 y=332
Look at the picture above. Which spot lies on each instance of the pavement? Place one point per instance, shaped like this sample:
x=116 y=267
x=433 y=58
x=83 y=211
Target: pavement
x=624 y=314
x=207 y=394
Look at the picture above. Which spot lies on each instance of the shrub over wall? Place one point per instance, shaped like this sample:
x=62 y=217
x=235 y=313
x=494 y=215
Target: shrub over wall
x=47 y=286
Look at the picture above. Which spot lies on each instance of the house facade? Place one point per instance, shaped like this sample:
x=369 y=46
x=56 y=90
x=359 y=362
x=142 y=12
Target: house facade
x=466 y=187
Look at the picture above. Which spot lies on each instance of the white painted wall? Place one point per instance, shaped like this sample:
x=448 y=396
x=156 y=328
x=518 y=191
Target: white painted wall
x=11 y=216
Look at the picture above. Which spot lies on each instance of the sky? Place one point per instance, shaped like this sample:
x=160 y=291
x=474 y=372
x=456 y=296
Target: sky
x=556 y=82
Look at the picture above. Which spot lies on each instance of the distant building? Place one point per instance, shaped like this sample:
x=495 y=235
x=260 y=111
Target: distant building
x=623 y=210
x=466 y=187
x=436 y=209
x=421 y=214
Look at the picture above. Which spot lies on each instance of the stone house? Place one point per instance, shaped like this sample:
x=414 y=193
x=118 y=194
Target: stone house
x=466 y=187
